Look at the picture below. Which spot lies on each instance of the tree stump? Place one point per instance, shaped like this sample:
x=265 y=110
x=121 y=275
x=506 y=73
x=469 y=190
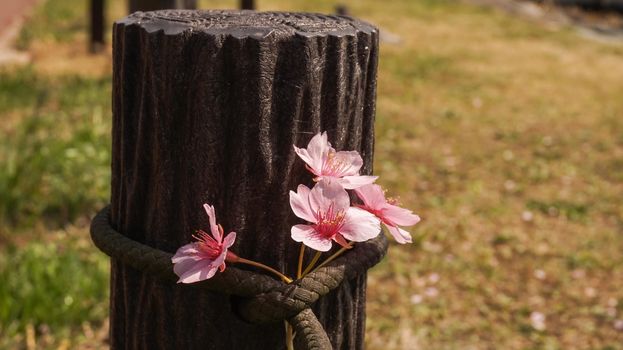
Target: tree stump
x=206 y=108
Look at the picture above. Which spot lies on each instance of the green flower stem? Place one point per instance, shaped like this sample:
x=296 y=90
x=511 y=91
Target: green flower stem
x=332 y=257
x=283 y=277
x=299 y=273
x=311 y=264
x=289 y=336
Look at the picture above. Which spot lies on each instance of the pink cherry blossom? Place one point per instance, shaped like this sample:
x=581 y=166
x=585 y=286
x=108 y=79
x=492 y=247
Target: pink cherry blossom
x=327 y=164
x=200 y=260
x=327 y=208
x=391 y=215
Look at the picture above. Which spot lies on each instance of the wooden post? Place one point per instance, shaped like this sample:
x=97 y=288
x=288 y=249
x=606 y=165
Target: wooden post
x=96 y=12
x=151 y=5
x=206 y=107
x=342 y=10
x=247 y=5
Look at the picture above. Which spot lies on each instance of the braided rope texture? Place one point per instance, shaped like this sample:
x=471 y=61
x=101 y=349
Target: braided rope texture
x=263 y=299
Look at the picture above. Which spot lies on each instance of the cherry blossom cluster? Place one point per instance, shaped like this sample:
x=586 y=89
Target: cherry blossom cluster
x=327 y=209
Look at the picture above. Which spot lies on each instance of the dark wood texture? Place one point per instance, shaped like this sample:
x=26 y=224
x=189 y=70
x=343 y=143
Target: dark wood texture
x=247 y=4
x=96 y=11
x=207 y=106
x=152 y=5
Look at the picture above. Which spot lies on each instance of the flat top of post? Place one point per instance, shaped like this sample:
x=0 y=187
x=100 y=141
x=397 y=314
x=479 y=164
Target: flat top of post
x=246 y=23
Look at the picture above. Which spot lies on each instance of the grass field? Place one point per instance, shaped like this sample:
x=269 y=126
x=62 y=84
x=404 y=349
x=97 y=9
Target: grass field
x=506 y=136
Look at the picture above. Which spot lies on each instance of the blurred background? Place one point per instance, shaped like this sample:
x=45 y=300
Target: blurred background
x=499 y=122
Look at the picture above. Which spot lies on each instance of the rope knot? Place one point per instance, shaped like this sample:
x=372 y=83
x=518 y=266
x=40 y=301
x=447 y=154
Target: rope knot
x=262 y=298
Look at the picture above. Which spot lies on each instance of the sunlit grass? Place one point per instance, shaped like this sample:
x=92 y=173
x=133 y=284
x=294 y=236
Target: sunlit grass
x=58 y=21
x=51 y=286
x=57 y=141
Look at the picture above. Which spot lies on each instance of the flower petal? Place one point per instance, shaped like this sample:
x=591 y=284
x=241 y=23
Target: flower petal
x=372 y=196
x=318 y=148
x=327 y=194
x=360 y=225
x=299 y=201
x=307 y=234
x=401 y=236
x=356 y=181
x=229 y=240
x=316 y=152
x=213 y=227
x=188 y=251
x=182 y=266
x=200 y=271
x=315 y=165
x=350 y=162
x=399 y=216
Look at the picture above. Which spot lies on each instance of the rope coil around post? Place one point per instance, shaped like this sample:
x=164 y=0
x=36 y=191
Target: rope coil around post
x=264 y=299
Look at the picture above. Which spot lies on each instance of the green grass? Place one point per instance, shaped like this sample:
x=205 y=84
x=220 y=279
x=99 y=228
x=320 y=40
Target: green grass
x=55 y=21
x=505 y=136
x=50 y=286
x=57 y=140
x=55 y=161
x=55 y=156
x=21 y=89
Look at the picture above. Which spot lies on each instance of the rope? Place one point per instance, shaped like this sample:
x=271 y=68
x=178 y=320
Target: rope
x=263 y=299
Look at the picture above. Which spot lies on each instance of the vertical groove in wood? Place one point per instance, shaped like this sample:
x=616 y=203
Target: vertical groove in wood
x=206 y=108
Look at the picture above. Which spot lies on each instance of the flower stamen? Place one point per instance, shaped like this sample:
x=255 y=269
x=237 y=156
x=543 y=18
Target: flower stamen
x=334 y=166
x=208 y=245
x=329 y=222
